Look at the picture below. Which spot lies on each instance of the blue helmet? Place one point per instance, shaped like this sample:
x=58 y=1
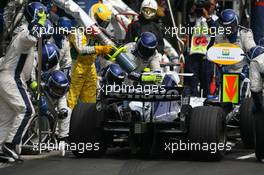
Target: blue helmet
x=229 y=18
x=65 y=23
x=58 y=84
x=32 y=11
x=114 y=74
x=146 y=45
x=255 y=52
x=50 y=56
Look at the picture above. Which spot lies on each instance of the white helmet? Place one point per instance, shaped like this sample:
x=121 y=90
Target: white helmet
x=149 y=8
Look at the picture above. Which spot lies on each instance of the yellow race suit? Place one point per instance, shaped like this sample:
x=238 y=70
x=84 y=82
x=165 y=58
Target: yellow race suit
x=83 y=77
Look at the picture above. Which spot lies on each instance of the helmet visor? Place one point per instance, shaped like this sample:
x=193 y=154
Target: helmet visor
x=145 y=52
x=56 y=90
x=231 y=27
x=52 y=62
x=148 y=12
x=101 y=23
x=112 y=78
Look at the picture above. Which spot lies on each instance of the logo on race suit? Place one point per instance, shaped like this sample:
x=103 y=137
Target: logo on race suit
x=225 y=54
x=230 y=88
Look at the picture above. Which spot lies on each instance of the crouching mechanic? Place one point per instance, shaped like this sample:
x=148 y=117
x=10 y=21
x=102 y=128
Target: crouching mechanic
x=256 y=72
x=15 y=70
x=145 y=55
x=56 y=86
x=84 y=50
x=145 y=52
x=256 y=76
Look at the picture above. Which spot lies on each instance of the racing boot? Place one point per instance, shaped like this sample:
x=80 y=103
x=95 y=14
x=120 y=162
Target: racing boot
x=9 y=150
x=63 y=145
x=4 y=158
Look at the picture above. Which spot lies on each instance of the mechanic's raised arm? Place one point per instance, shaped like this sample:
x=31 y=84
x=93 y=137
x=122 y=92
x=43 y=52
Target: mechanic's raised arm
x=25 y=40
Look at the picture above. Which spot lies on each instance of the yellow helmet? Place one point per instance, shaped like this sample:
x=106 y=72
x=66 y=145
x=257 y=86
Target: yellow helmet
x=101 y=13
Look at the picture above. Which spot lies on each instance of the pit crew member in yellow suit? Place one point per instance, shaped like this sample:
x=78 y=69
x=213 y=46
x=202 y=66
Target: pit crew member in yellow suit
x=85 y=50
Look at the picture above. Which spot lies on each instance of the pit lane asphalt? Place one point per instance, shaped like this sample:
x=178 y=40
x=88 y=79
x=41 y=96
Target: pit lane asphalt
x=120 y=162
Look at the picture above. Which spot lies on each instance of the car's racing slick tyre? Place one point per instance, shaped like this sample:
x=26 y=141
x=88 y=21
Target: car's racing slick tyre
x=207 y=133
x=259 y=149
x=86 y=132
x=247 y=123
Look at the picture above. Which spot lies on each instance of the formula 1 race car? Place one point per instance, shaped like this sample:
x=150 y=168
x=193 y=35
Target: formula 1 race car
x=159 y=121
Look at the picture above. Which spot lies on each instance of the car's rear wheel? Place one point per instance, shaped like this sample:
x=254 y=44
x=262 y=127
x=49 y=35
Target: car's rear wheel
x=86 y=132
x=207 y=133
x=259 y=149
x=247 y=123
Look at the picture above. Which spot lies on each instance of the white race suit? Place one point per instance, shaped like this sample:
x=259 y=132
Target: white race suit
x=15 y=69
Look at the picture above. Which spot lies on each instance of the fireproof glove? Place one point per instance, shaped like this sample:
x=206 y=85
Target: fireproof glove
x=104 y=50
x=151 y=77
